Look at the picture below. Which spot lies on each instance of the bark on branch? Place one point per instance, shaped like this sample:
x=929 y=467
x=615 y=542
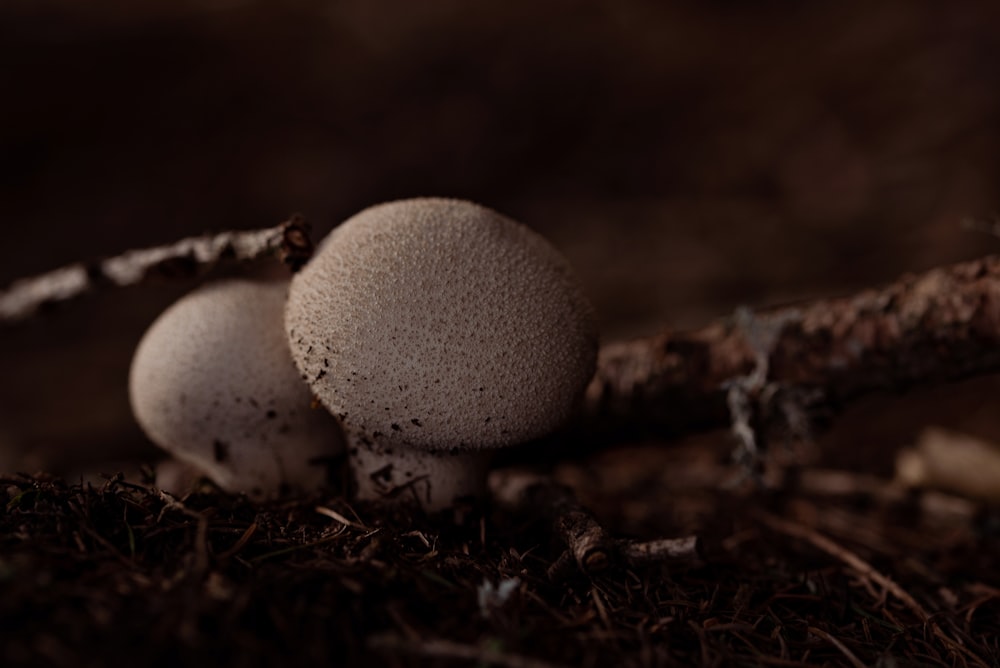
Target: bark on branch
x=940 y=325
x=289 y=242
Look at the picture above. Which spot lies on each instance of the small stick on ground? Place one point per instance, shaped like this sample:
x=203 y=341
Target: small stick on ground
x=931 y=504
x=841 y=553
x=588 y=544
x=866 y=570
x=587 y=541
x=289 y=242
x=446 y=649
x=687 y=549
x=841 y=647
x=201 y=549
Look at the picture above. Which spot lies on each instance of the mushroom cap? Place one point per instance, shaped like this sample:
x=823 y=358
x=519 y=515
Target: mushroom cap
x=213 y=383
x=441 y=324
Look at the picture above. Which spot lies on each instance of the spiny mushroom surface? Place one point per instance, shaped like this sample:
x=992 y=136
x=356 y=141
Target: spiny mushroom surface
x=213 y=383
x=439 y=326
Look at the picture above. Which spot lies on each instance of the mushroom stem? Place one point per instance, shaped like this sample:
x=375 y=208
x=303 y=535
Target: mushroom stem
x=433 y=479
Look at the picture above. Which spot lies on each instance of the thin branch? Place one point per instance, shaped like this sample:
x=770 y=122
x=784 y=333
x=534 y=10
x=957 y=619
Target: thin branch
x=446 y=649
x=932 y=505
x=201 y=547
x=240 y=543
x=841 y=647
x=844 y=555
x=586 y=540
x=869 y=572
x=676 y=550
x=943 y=324
x=289 y=242
x=334 y=515
x=589 y=547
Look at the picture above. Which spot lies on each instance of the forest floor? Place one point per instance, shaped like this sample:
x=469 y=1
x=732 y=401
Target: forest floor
x=826 y=568
x=688 y=158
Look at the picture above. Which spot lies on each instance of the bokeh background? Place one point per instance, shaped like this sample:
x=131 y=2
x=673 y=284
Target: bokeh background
x=688 y=157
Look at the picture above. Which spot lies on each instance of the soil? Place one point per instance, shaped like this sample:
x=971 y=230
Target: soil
x=95 y=575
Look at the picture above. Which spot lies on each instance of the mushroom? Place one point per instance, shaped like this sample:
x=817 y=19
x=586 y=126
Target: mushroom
x=213 y=383
x=437 y=330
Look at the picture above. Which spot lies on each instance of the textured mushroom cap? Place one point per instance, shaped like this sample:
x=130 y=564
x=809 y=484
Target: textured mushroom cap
x=213 y=383
x=441 y=324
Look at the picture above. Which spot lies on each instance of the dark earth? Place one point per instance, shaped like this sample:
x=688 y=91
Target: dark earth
x=687 y=157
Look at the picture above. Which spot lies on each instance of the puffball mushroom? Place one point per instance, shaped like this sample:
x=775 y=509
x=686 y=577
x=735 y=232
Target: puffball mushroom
x=213 y=383
x=437 y=330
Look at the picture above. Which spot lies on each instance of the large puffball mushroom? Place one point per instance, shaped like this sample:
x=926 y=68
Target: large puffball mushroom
x=437 y=330
x=213 y=383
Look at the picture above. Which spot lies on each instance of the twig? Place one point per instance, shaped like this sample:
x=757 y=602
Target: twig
x=589 y=546
x=289 y=241
x=939 y=325
x=201 y=554
x=239 y=544
x=833 y=482
x=299 y=546
x=109 y=546
x=935 y=505
x=867 y=571
x=446 y=649
x=840 y=553
x=687 y=549
x=841 y=647
x=587 y=541
x=334 y=515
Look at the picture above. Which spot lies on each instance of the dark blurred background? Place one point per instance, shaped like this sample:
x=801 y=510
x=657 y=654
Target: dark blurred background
x=688 y=157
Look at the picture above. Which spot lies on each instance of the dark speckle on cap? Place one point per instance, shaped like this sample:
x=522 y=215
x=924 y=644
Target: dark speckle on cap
x=220 y=451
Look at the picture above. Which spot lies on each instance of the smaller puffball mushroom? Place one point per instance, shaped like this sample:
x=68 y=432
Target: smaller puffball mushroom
x=437 y=330
x=213 y=383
